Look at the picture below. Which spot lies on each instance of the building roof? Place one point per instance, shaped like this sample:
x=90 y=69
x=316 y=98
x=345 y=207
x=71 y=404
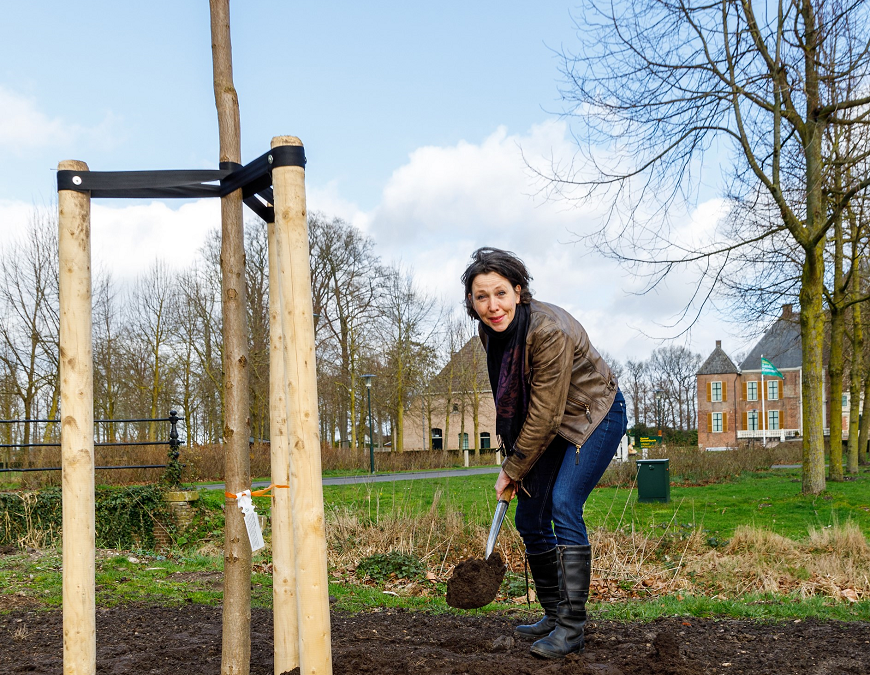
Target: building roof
x=718 y=363
x=466 y=365
x=781 y=344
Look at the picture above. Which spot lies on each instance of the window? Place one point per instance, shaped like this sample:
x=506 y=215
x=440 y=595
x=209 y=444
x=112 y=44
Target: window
x=437 y=442
x=455 y=407
x=717 y=423
x=752 y=391
x=716 y=391
x=484 y=440
x=463 y=441
x=773 y=420
x=773 y=390
x=845 y=403
x=752 y=420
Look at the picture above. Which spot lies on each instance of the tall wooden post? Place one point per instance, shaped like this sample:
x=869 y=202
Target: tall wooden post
x=77 y=428
x=283 y=555
x=297 y=321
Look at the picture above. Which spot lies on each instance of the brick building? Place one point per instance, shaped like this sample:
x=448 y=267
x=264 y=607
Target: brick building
x=445 y=413
x=733 y=406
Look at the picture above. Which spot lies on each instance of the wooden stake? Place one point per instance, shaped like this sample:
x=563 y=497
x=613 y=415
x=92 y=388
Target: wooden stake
x=77 y=428
x=283 y=555
x=297 y=322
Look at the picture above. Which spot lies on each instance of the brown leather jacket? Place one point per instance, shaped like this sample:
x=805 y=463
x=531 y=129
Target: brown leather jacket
x=571 y=388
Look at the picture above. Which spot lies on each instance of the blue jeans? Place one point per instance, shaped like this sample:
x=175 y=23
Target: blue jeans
x=550 y=503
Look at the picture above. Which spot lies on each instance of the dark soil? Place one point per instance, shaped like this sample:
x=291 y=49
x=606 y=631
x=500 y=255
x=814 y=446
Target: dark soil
x=140 y=640
x=475 y=582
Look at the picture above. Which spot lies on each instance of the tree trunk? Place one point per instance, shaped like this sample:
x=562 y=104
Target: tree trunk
x=855 y=378
x=835 y=363
x=835 y=373
x=864 y=425
x=812 y=332
x=236 y=652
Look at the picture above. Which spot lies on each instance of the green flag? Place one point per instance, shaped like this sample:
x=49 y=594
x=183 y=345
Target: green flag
x=767 y=368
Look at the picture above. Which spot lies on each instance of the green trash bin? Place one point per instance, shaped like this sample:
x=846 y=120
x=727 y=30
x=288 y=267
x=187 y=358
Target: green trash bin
x=654 y=480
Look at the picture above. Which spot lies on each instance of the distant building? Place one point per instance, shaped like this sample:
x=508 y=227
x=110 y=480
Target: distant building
x=449 y=403
x=730 y=405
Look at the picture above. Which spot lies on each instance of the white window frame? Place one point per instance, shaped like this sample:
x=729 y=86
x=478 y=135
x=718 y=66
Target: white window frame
x=750 y=394
x=717 y=421
x=774 y=386
x=713 y=394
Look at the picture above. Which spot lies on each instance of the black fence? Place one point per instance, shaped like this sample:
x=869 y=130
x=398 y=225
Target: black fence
x=173 y=468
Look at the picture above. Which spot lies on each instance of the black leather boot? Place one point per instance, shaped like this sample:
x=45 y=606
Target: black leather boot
x=575 y=567
x=545 y=571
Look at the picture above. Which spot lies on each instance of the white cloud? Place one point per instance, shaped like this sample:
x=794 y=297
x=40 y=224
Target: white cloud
x=447 y=201
x=434 y=211
x=24 y=126
x=126 y=241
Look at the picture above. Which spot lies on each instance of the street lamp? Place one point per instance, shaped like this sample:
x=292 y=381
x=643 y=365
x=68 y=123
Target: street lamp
x=368 y=379
x=659 y=397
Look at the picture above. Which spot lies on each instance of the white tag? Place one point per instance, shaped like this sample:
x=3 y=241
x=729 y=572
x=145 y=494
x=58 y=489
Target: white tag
x=252 y=523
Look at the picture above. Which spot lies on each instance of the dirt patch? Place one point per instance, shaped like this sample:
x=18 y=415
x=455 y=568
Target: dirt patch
x=475 y=582
x=176 y=641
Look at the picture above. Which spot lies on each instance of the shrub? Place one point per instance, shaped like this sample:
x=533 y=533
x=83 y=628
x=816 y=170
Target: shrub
x=125 y=516
x=382 y=566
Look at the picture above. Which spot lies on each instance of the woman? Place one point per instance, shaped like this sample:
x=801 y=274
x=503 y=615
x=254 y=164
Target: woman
x=559 y=417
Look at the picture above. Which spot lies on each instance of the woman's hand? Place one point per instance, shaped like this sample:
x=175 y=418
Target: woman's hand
x=502 y=483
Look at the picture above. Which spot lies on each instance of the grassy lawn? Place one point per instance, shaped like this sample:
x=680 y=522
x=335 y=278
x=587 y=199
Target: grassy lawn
x=770 y=500
x=177 y=580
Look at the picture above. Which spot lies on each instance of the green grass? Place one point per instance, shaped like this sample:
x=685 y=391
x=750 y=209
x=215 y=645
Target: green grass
x=179 y=580
x=770 y=500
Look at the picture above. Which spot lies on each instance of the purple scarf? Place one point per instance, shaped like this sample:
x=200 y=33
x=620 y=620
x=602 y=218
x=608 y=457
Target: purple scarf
x=505 y=360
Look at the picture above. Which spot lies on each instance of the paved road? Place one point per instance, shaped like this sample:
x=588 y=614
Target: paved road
x=381 y=477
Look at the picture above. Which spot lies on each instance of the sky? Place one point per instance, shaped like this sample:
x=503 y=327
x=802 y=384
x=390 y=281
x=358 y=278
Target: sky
x=419 y=121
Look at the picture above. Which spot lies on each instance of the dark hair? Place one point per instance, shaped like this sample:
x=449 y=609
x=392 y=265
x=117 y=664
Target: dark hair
x=487 y=259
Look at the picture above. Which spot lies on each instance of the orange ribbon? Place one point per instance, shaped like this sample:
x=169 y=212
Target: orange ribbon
x=256 y=493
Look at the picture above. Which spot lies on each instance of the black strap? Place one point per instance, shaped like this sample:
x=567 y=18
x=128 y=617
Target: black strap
x=254 y=179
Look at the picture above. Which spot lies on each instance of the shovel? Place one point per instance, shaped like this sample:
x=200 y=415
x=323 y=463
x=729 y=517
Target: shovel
x=497 y=519
x=475 y=582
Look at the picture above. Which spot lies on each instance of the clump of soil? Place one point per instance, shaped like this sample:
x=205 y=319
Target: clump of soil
x=475 y=582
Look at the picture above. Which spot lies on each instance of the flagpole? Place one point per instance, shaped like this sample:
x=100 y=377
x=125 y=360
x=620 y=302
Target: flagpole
x=763 y=418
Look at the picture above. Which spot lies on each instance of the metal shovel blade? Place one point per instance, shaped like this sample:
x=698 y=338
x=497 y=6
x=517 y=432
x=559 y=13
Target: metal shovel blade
x=497 y=519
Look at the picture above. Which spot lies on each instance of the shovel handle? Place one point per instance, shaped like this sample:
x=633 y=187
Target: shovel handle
x=507 y=494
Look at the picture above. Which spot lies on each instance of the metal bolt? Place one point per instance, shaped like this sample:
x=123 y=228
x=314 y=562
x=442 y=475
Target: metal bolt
x=77 y=180
x=270 y=159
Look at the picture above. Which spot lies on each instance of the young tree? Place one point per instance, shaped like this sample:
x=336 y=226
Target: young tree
x=236 y=653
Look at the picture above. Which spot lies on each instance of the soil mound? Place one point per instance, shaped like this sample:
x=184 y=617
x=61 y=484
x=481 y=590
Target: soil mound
x=475 y=582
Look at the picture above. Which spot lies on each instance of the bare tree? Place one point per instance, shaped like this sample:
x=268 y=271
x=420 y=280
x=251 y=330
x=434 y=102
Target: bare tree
x=28 y=313
x=345 y=276
x=407 y=322
x=656 y=82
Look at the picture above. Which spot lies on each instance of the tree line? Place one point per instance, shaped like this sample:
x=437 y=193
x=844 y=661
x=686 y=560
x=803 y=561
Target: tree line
x=158 y=346
x=158 y=338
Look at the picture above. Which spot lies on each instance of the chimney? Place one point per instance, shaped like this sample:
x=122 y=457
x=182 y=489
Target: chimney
x=786 y=311
x=718 y=344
